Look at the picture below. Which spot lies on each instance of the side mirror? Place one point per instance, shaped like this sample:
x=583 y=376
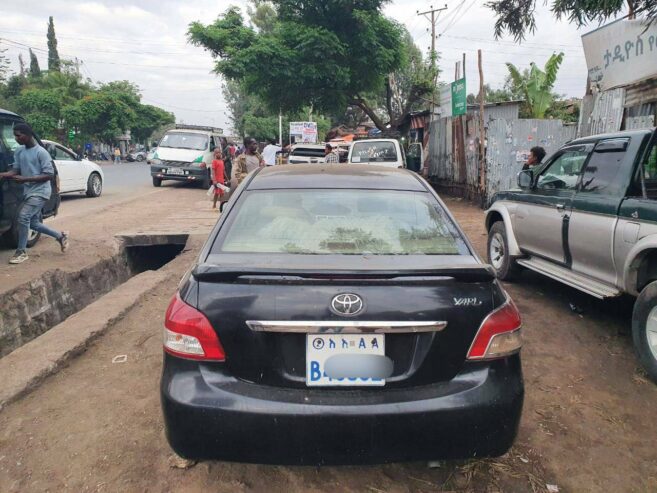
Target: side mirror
x=525 y=179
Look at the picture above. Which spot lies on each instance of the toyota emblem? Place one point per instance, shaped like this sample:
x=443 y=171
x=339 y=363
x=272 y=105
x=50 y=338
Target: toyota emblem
x=347 y=304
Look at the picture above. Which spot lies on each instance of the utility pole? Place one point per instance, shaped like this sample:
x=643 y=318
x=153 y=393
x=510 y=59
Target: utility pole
x=482 y=130
x=433 y=19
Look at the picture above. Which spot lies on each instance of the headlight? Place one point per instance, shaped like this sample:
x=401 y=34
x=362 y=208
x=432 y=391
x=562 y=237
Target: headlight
x=156 y=162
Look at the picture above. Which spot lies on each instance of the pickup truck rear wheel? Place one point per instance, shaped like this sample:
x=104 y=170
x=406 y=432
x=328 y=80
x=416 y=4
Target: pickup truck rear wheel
x=505 y=266
x=644 y=329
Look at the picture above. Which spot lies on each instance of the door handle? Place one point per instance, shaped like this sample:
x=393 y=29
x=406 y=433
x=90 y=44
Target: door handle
x=561 y=207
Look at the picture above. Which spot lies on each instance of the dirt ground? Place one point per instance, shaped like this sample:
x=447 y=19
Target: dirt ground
x=588 y=422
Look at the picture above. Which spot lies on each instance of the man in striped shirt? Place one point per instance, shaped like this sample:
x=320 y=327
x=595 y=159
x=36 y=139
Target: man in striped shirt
x=331 y=155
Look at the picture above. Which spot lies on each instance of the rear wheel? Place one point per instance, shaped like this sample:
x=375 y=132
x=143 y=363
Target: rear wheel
x=157 y=182
x=644 y=329
x=505 y=266
x=11 y=237
x=94 y=185
x=140 y=158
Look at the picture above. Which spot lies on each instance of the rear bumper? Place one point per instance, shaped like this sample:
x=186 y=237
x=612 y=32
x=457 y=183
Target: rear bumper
x=209 y=414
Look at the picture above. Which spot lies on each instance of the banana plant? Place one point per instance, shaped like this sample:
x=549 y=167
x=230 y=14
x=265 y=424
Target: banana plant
x=537 y=85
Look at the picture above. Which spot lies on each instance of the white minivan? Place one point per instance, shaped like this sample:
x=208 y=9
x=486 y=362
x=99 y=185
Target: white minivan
x=185 y=154
x=386 y=152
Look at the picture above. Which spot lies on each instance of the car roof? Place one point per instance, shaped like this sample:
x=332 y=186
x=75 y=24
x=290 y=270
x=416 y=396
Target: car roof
x=612 y=135
x=374 y=140
x=7 y=112
x=190 y=131
x=340 y=176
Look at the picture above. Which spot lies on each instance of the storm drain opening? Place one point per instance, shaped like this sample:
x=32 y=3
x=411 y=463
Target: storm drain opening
x=35 y=307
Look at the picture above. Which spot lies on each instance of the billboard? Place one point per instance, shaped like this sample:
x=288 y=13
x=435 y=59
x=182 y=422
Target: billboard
x=621 y=53
x=305 y=132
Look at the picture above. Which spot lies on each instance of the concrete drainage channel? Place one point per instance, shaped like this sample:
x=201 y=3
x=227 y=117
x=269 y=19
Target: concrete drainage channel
x=33 y=308
x=30 y=350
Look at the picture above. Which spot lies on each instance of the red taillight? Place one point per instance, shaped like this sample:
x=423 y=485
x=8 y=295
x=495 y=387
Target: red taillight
x=189 y=334
x=499 y=334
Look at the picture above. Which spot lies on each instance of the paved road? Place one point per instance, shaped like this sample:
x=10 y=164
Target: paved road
x=123 y=182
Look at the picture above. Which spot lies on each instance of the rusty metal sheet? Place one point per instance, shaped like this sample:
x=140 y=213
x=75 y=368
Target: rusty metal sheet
x=509 y=142
x=639 y=122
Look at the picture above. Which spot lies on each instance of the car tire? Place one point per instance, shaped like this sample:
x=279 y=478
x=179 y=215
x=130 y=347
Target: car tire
x=157 y=182
x=94 y=185
x=644 y=329
x=505 y=266
x=11 y=237
x=140 y=158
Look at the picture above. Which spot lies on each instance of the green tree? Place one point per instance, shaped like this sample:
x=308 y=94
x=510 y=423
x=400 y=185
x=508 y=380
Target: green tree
x=318 y=54
x=149 y=119
x=53 y=55
x=537 y=86
x=517 y=17
x=21 y=65
x=262 y=15
x=35 y=71
x=4 y=65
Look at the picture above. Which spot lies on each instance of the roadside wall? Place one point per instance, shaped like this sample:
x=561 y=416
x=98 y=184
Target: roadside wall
x=454 y=166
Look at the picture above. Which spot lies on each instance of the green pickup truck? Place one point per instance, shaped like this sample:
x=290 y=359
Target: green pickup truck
x=587 y=217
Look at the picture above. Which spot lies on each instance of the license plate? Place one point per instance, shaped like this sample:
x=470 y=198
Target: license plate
x=175 y=171
x=320 y=347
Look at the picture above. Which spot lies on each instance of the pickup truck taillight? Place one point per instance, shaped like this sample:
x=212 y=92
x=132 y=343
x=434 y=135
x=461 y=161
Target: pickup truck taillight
x=498 y=334
x=189 y=334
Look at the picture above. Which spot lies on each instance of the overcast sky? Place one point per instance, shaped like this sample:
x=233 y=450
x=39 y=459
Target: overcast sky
x=144 y=41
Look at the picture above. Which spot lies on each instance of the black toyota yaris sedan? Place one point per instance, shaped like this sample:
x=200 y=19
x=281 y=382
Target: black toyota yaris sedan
x=337 y=315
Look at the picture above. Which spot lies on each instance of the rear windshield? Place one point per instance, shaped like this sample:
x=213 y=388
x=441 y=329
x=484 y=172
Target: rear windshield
x=181 y=140
x=350 y=222
x=307 y=152
x=374 y=152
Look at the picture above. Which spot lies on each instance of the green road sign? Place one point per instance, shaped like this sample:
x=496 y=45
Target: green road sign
x=71 y=135
x=459 y=106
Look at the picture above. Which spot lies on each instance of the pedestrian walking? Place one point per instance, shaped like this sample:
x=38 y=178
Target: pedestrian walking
x=536 y=155
x=33 y=168
x=117 y=156
x=246 y=162
x=227 y=157
x=269 y=152
x=218 y=176
x=331 y=155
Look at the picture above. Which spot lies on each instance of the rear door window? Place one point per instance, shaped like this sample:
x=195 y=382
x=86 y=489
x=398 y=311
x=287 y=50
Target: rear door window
x=603 y=171
x=348 y=222
x=8 y=143
x=307 y=152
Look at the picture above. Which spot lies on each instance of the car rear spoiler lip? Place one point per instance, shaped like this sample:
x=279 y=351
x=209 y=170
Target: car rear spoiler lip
x=466 y=273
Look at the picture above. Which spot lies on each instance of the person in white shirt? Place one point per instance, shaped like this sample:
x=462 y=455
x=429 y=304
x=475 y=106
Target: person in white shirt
x=269 y=153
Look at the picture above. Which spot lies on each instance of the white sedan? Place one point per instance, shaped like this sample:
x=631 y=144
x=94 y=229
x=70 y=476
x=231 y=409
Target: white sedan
x=75 y=175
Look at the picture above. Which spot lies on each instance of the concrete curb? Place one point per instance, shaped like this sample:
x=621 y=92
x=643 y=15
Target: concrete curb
x=26 y=367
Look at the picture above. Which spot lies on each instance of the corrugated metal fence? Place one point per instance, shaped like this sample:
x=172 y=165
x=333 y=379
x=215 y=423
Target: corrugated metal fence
x=508 y=145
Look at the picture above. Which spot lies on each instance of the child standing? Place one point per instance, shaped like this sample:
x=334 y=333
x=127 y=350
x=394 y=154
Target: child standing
x=218 y=176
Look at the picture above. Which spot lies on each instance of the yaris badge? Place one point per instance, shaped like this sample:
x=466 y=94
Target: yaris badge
x=347 y=304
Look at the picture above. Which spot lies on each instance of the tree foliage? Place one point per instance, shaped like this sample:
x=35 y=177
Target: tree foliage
x=53 y=55
x=537 y=85
x=4 y=65
x=35 y=70
x=517 y=17
x=316 y=54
